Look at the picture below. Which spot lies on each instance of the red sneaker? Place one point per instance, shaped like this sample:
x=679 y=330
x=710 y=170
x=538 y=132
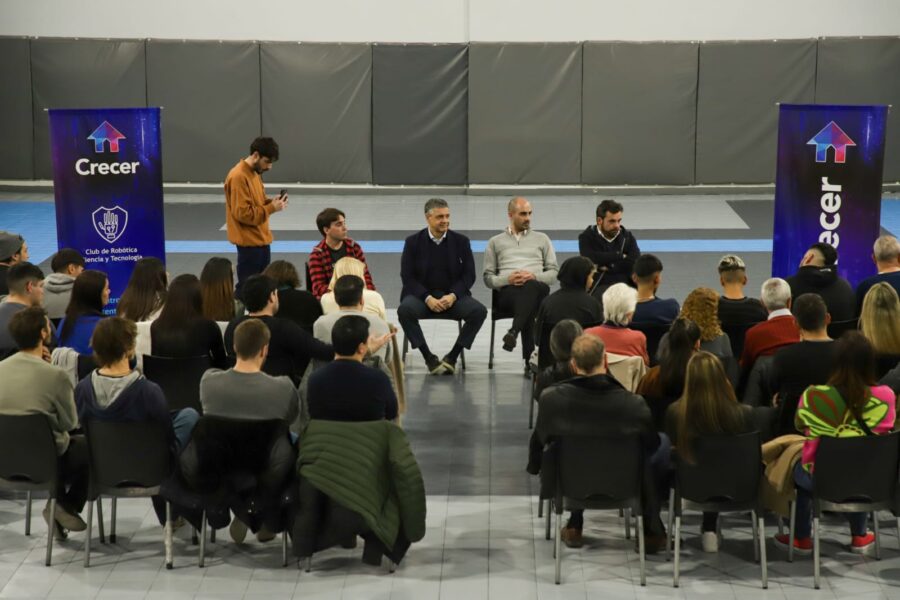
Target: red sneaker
x=801 y=545
x=860 y=544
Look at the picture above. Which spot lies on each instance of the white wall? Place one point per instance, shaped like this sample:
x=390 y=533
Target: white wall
x=450 y=20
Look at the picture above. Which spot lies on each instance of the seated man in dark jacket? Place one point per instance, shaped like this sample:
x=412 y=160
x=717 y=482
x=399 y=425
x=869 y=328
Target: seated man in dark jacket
x=593 y=403
x=818 y=275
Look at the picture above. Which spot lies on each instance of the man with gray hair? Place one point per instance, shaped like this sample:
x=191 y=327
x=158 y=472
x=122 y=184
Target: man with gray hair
x=779 y=330
x=886 y=256
x=438 y=270
x=520 y=264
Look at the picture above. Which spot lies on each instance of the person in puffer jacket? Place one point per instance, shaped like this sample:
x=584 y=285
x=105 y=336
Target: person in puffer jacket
x=67 y=264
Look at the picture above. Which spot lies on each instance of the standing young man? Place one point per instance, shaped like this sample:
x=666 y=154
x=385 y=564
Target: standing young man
x=247 y=208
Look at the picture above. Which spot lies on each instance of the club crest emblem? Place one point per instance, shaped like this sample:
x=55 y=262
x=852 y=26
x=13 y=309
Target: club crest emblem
x=110 y=223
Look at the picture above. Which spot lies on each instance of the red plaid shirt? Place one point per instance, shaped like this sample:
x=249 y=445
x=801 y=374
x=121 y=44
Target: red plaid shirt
x=321 y=269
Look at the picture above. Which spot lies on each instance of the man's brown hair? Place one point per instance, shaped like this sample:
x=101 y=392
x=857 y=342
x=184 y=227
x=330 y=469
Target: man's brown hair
x=250 y=337
x=113 y=338
x=325 y=218
x=26 y=327
x=587 y=352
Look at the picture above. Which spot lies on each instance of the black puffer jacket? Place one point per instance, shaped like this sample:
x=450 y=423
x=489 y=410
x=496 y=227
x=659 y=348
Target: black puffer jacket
x=839 y=297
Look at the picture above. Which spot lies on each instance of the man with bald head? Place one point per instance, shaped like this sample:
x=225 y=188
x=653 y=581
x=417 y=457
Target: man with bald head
x=520 y=264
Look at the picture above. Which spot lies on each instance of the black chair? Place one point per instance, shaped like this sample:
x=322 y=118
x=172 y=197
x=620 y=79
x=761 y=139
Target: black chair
x=654 y=333
x=28 y=462
x=86 y=364
x=837 y=328
x=179 y=378
x=736 y=334
x=128 y=460
x=496 y=315
x=308 y=278
x=857 y=474
x=596 y=473
x=723 y=478
x=462 y=354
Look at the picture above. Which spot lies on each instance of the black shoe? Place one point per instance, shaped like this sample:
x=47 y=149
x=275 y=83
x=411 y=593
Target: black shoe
x=509 y=340
x=449 y=365
x=434 y=364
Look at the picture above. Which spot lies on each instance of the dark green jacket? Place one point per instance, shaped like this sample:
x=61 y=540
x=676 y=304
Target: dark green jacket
x=369 y=468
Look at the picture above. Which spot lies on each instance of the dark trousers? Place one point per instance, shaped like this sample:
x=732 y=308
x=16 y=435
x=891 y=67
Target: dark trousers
x=72 y=488
x=523 y=302
x=467 y=309
x=251 y=260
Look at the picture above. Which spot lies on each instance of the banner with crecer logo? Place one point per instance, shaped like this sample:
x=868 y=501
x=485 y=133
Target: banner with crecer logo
x=828 y=185
x=107 y=178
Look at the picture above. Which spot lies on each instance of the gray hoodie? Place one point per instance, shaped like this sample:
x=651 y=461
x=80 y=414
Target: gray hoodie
x=57 y=291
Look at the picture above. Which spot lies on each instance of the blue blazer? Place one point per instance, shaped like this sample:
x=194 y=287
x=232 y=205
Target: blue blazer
x=414 y=265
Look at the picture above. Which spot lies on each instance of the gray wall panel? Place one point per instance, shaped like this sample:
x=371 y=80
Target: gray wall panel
x=864 y=71
x=737 y=117
x=639 y=113
x=317 y=103
x=209 y=92
x=16 y=153
x=82 y=74
x=525 y=113
x=420 y=105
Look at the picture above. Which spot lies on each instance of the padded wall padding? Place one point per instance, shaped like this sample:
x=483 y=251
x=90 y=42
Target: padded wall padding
x=525 y=113
x=864 y=71
x=82 y=74
x=639 y=110
x=209 y=92
x=420 y=106
x=17 y=150
x=317 y=104
x=737 y=117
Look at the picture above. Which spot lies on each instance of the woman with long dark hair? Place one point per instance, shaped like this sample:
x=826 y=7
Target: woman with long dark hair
x=181 y=330
x=146 y=291
x=851 y=404
x=217 y=289
x=664 y=383
x=570 y=301
x=90 y=293
x=294 y=304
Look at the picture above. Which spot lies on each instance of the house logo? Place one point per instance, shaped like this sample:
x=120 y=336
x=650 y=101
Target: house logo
x=106 y=134
x=831 y=136
x=110 y=223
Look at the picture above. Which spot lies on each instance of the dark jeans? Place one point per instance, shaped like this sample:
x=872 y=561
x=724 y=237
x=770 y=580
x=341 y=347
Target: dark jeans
x=523 y=302
x=467 y=309
x=250 y=261
x=72 y=488
x=803 y=518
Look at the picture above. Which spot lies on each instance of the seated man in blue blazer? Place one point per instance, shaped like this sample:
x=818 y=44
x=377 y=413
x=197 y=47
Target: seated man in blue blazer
x=438 y=270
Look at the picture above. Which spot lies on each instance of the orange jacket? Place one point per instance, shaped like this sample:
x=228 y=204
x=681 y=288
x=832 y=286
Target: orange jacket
x=247 y=209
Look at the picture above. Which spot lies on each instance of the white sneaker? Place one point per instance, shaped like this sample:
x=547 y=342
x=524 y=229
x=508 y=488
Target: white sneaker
x=710 y=541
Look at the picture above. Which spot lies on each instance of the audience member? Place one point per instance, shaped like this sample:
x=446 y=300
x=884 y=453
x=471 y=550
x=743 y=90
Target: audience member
x=610 y=246
x=707 y=407
x=217 y=290
x=880 y=322
x=334 y=246
x=351 y=266
x=181 y=330
x=520 y=264
x=346 y=389
x=702 y=307
x=647 y=276
x=593 y=403
x=90 y=294
x=571 y=301
x=294 y=304
x=438 y=270
x=145 y=294
x=808 y=362
x=116 y=393
x=818 y=275
x=290 y=347
x=67 y=264
x=348 y=292
x=619 y=302
x=664 y=383
x=736 y=309
x=49 y=393
x=780 y=329
x=851 y=404
x=13 y=250
x=886 y=256
x=26 y=288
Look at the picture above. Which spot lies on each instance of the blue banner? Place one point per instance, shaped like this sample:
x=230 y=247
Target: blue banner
x=828 y=185
x=107 y=178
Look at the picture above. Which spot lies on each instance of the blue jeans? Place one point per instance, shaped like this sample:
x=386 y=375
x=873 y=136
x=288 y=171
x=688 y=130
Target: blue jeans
x=183 y=422
x=803 y=519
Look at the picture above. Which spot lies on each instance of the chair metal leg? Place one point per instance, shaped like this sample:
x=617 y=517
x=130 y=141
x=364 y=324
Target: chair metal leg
x=100 y=520
x=202 y=562
x=756 y=534
x=557 y=548
x=639 y=525
x=112 y=522
x=28 y=514
x=284 y=540
x=675 y=572
x=540 y=507
x=462 y=353
x=627 y=523
x=877 y=536
x=168 y=536
x=549 y=517
x=531 y=402
x=898 y=532
x=88 y=532
x=491 y=353
x=780 y=525
x=212 y=535
x=671 y=519
x=762 y=553
x=50 y=531
x=816 y=557
x=791 y=531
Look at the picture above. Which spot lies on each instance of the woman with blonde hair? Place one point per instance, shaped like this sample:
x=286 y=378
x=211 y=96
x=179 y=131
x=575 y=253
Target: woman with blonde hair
x=879 y=321
x=702 y=307
x=348 y=265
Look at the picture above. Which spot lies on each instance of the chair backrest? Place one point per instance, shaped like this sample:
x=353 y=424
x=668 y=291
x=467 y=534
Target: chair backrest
x=725 y=468
x=179 y=378
x=857 y=468
x=308 y=277
x=654 y=333
x=600 y=468
x=736 y=334
x=837 y=328
x=135 y=454
x=27 y=451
